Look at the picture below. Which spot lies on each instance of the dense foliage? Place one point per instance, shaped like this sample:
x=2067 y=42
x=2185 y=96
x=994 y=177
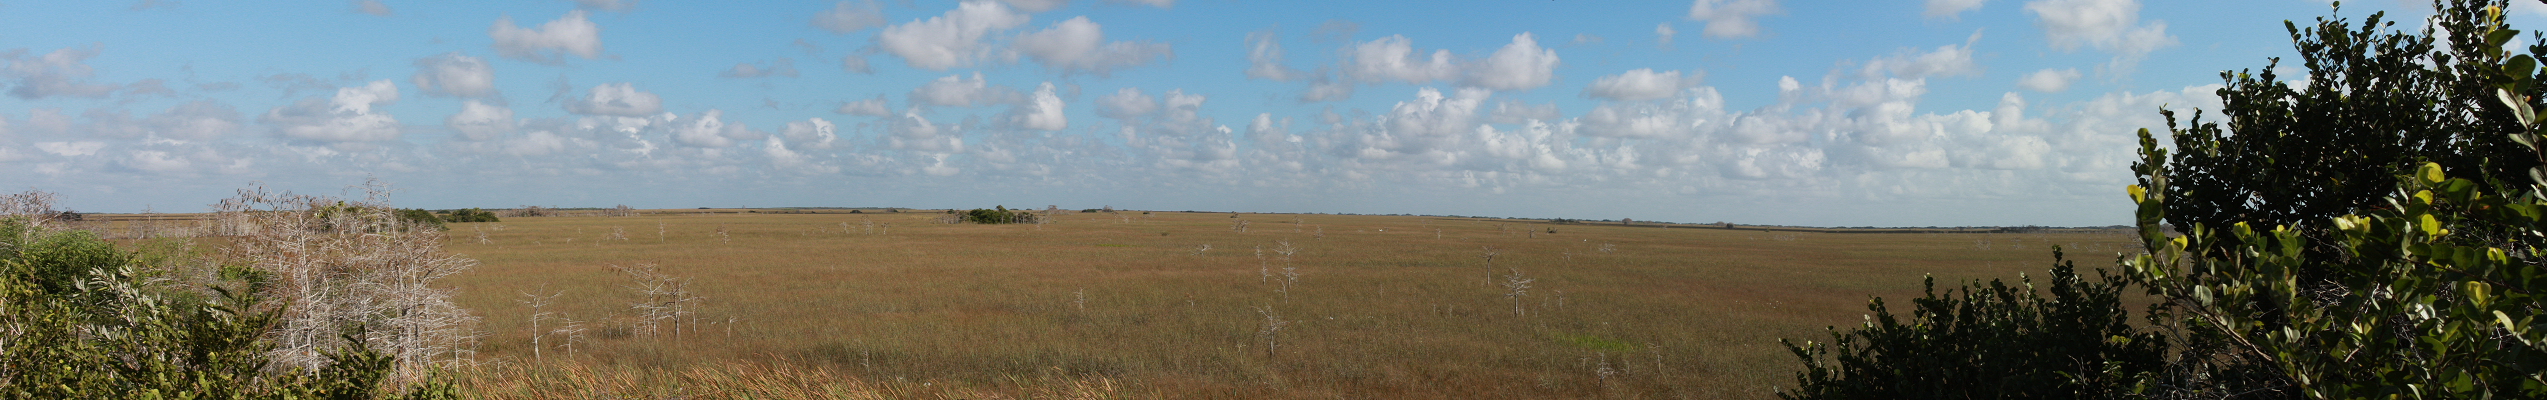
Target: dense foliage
x=2376 y=232
x=470 y=215
x=87 y=320
x=999 y=215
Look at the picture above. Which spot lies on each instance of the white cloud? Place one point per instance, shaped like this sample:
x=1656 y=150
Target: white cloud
x=1042 y=112
x=955 y=91
x=62 y=72
x=346 y=117
x=1639 y=84
x=454 y=74
x=1126 y=104
x=2048 y=80
x=915 y=133
x=551 y=43
x=195 y=120
x=874 y=107
x=1264 y=58
x=478 y=121
x=1663 y=33
x=782 y=67
x=1326 y=88
x=2112 y=26
x=789 y=160
x=1393 y=59
x=1036 y=6
x=372 y=7
x=71 y=149
x=850 y=16
x=1079 y=45
x=616 y=99
x=1581 y=39
x=1948 y=60
x=707 y=130
x=1727 y=19
x=814 y=133
x=1515 y=112
x=1950 y=9
x=951 y=40
x=856 y=63
x=1521 y=65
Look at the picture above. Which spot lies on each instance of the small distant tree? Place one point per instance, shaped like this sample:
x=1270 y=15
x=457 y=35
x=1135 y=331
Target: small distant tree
x=998 y=215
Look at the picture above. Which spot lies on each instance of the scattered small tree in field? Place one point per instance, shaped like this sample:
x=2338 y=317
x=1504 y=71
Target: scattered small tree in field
x=1270 y=332
x=1514 y=286
x=539 y=313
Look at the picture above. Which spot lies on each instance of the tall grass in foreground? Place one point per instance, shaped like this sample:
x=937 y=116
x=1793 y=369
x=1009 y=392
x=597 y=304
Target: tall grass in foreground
x=760 y=380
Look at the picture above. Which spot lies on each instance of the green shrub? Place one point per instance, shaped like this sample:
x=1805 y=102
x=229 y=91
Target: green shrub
x=998 y=215
x=471 y=215
x=2326 y=251
x=1988 y=341
x=86 y=323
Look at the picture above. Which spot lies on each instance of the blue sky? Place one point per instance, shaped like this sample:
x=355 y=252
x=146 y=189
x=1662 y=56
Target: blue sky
x=1893 y=113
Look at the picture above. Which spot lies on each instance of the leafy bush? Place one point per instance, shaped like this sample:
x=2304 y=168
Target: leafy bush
x=2327 y=251
x=114 y=332
x=1988 y=341
x=420 y=217
x=471 y=215
x=999 y=215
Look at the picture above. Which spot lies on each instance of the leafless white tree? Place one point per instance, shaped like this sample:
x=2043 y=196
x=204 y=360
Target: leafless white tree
x=340 y=264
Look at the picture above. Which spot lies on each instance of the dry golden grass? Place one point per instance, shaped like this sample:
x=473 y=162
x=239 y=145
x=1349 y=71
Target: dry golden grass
x=1383 y=308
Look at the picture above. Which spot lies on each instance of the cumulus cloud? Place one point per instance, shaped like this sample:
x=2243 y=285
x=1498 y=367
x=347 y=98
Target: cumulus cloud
x=1041 y=112
x=1264 y=58
x=2048 y=80
x=454 y=74
x=1126 y=104
x=1948 y=60
x=372 y=7
x=707 y=129
x=1152 y=3
x=1326 y=88
x=616 y=99
x=1663 y=33
x=2112 y=26
x=1394 y=58
x=1076 y=45
x=345 y=117
x=1515 y=112
x=195 y=120
x=813 y=133
x=1727 y=19
x=782 y=67
x=950 y=40
x=856 y=63
x=478 y=121
x=913 y=132
x=551 y=43
x=62 y=72
x=1639 y=84
x=1036 y=6
x=71 y=149
x=1521 y=65
x=874 y=107
x=850 y=16
x=956 y=91
x=1949 y=9
x=783 y=159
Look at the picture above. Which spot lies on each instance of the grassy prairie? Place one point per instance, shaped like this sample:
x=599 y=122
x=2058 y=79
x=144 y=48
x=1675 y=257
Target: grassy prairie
x=1383 y=306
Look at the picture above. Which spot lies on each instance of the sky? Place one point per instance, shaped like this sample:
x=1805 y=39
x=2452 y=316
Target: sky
x=1821 y=113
